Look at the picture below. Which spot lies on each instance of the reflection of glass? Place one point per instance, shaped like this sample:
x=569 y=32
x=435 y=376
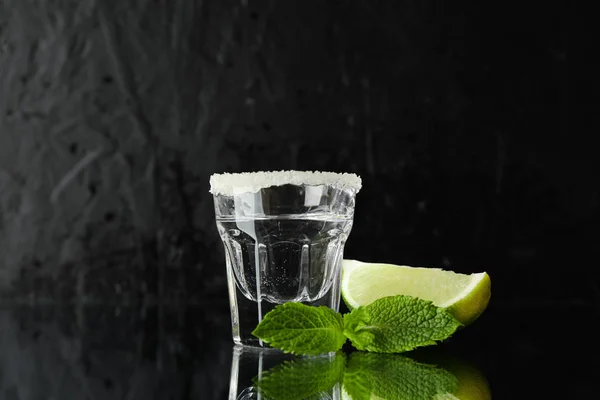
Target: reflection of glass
x=271 y=375
x=283 y=234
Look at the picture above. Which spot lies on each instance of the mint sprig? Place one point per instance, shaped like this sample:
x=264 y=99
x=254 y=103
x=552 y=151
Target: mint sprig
x=300 y=329
x=389 y=325
x=396 y=324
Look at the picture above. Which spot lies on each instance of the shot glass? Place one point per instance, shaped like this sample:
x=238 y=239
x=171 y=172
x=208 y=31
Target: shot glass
x=283 y=233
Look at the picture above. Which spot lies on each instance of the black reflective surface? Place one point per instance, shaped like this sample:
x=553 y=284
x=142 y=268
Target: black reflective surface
x=185 y=352
x=113 y=115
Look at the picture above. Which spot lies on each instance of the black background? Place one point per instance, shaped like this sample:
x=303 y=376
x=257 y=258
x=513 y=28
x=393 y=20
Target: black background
x=113 y=115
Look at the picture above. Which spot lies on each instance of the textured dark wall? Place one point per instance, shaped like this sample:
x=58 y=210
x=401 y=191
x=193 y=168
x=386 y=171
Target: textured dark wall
x=113 y=114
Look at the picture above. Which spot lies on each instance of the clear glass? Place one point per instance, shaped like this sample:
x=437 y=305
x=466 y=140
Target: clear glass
x=249 y=365
x=282 y=243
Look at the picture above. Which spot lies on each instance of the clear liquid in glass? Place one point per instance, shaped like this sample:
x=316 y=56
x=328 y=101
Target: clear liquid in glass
x=272 y=260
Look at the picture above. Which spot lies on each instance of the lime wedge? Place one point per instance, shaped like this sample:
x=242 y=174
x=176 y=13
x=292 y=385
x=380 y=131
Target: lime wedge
x=465 y=296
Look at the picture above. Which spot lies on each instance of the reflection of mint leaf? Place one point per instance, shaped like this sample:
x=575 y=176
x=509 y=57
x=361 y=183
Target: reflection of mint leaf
x=391 y=376
x=445 y=396
x=398 y=323
x=301 y=329
x=303 y=377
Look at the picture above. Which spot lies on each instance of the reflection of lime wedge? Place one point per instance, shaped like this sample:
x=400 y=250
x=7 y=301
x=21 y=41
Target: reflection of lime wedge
x=472 y=384
x=465 y=296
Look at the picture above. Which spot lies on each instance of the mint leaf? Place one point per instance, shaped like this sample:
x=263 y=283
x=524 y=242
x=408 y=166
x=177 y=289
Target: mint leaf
x=303 y=378
x=300 y=329
x=391 y=376
x=396 y=324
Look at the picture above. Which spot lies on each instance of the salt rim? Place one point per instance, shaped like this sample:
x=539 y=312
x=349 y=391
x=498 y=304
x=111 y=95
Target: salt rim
x=251 y=182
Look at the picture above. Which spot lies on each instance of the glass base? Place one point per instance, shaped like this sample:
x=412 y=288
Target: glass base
x=246 y=314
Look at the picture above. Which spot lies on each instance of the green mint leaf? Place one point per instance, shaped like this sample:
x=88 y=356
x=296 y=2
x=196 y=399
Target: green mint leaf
x=392 y=376
x=300 y=329
x=396 y=324
x=303 y=378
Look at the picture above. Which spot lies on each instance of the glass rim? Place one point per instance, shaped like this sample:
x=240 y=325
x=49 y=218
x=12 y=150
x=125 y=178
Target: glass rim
x=229 y=184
